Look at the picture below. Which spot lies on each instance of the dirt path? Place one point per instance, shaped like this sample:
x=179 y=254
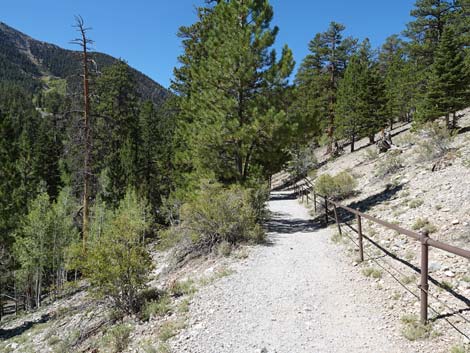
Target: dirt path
x=299 y=294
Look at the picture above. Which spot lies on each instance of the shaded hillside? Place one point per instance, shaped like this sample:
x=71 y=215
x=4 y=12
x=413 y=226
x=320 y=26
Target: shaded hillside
x=27 y=61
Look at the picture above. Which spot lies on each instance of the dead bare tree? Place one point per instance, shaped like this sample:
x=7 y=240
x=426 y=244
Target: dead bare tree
x=84 y=42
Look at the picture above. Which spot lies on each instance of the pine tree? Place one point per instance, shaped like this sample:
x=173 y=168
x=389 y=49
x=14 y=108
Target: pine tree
x=322 y=70
x=116 y=131
x=351 y=105
x=431 y=17
x=392 y=64
x=360 y=97
x=155 y=175
x=448 y=86
x=228 y=76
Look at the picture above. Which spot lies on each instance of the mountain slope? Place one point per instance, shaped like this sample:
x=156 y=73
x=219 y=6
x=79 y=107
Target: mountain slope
x=27 y=61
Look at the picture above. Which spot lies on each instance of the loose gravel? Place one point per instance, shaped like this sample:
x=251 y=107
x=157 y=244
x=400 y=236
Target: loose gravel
x=297 y=294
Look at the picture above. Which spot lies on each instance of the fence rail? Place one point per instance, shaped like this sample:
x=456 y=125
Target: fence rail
x=305 y=189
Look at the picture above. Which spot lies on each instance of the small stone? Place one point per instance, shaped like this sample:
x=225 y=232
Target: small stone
x=455 y=222
x=449 y=274
x=434 y=266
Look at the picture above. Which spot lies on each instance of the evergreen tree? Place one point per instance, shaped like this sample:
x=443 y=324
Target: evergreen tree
x=322 y=70
x=155 y=153
x=116 y=131
x=448 y=86
x=431 y=16
x=425 y=32
x=226 y=83
x=351 y=105
x=360 y=97
x=398 y=80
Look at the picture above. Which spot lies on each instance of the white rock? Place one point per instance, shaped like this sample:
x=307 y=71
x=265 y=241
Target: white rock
x=449 y=274
x=455 y=221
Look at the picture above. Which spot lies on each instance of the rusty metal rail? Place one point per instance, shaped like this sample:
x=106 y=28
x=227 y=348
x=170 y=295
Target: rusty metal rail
x=305 y=189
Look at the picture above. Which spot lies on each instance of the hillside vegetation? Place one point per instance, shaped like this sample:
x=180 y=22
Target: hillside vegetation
x=112 y=189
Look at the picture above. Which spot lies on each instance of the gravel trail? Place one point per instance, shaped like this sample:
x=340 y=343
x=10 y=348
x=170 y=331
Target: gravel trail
x=298 y=294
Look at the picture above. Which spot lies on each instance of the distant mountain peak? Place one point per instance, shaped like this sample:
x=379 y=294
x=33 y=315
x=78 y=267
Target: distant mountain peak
x=26 y=61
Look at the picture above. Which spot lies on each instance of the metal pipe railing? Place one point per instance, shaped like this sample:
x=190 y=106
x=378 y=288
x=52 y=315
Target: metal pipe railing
x=307 y=187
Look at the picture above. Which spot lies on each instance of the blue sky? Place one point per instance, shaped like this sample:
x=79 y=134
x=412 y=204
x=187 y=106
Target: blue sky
x=143 y=32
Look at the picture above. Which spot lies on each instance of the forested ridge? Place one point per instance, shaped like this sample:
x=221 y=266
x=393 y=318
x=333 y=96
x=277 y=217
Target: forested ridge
x=190 y=170
x=29 y=63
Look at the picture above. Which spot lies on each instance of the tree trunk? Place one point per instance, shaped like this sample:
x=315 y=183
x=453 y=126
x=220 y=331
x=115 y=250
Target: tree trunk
x=83 y=42
x=454 y=120
x=447 y=121
x=38 y=288
x=372 y=139
x=353 y=140
x=1 y=304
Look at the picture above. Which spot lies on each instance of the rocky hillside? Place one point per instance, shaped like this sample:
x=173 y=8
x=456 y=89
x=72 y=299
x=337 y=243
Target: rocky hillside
x=422 y=184
x=30 y=63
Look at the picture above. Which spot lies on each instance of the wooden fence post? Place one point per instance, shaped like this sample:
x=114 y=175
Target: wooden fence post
x=424 y=286
x=326 y=211
x=359 y=231
x=337 y=219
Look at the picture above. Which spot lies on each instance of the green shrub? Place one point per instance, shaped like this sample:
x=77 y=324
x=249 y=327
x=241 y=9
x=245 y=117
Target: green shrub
x=217 y=214
x=390 y=164
x=372 y=272
x=337 y=187
x=159 y=307
x=466 y=162
x=371 y=154
x=337 y=238
x=147 y=347
x=415 y=203
x=224 y=249
x=117 y=338
x=408 y=279
x=164 y=348
x=424 y=225
x=53 y=340
x=435 y=142
x=170 y=329
x=183 y=307
x=413 y=329
x=180 y=288
x=406 y=139
x=325 y=185
x=118 y=263
x=460 y=349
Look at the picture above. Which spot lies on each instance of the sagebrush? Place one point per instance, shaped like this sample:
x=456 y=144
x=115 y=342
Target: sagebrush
x=336 y=187
x=218 y=215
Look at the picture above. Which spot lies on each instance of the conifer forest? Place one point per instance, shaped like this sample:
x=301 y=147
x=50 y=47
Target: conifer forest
x=102 y=169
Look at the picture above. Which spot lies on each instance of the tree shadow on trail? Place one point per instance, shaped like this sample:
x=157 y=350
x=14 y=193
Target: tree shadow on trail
x=283 y=197
x=369 y=202
x=281 y=225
